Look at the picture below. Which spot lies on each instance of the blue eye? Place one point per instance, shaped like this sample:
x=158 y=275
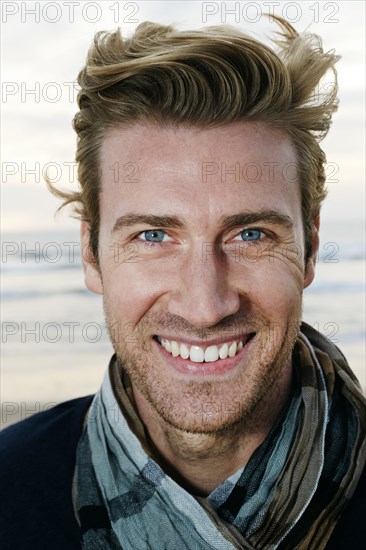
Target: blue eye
x=251 y=234
x=154 y=235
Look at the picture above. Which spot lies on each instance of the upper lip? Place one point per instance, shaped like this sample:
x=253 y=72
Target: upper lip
x=206 y=343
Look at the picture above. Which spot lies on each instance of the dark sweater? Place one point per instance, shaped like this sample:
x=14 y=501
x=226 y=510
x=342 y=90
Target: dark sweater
x=37 y=460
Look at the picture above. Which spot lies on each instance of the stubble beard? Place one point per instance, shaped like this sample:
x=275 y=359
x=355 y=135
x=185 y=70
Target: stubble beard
x=208 y=407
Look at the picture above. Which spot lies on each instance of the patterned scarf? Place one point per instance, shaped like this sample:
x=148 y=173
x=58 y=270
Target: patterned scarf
x=289 y=495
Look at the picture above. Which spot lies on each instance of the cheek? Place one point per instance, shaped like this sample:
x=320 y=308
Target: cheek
x=274 y=286
x=132 y=288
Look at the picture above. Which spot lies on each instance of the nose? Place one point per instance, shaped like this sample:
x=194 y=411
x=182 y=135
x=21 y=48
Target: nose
x=203 y=295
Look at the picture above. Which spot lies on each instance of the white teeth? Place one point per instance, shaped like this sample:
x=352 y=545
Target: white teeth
x=184 y=351
x=232 y=349
x=175 y=349
x=196 y=354
x=224 y=351
x=211 y=354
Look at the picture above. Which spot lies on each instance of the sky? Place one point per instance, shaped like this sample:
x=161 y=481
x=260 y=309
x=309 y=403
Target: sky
x=44 y=45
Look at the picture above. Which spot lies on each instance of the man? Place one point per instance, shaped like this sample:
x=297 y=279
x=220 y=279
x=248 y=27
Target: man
x=222 y=420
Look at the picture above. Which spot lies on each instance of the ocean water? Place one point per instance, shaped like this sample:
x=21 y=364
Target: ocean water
x=55 y=344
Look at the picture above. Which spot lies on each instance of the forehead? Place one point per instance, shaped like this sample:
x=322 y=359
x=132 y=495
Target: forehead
x=237 y=141
x=246 y=164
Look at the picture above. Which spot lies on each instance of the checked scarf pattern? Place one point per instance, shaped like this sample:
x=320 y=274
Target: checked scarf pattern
x=289 y=495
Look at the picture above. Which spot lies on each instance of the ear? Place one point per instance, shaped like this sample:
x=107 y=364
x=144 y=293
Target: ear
x=310 y=266
x=92 y=275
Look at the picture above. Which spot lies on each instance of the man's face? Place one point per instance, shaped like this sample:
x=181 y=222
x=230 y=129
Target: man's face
x=201 y=254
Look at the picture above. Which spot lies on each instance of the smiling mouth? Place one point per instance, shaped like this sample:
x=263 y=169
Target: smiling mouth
x=204 y=354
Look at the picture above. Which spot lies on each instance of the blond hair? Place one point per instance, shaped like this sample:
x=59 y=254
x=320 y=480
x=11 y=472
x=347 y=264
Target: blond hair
x=203 y=78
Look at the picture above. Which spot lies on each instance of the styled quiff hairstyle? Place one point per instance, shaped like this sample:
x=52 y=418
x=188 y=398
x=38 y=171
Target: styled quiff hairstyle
x=204 y=78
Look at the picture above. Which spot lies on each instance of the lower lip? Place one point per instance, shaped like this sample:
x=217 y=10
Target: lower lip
x=214 y=368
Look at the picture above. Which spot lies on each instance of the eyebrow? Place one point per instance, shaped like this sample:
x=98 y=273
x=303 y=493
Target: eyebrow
x=248 y=218
x=226 y=222
x=147 y=219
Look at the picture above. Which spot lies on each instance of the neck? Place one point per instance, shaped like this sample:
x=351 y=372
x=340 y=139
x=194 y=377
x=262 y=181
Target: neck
x=200 y=462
